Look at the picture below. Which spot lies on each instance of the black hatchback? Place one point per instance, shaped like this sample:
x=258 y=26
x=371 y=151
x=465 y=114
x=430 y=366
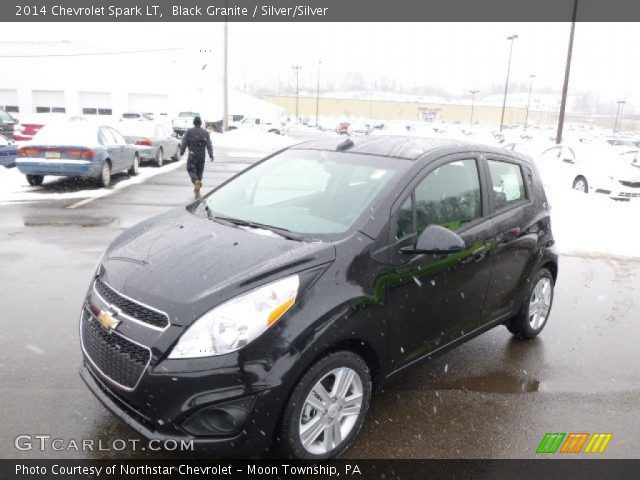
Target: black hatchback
x=263 y=315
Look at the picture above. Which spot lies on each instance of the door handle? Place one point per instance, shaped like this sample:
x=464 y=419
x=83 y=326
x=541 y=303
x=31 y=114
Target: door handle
x=477 y=255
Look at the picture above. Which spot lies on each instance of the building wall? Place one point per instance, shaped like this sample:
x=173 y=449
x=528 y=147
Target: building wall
x=454 y=113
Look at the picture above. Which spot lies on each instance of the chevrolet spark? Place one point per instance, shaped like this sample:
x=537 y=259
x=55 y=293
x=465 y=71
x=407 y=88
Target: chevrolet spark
x=263 y=315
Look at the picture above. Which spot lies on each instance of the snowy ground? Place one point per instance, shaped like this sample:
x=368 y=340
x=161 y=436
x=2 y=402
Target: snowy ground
x=593 y=225
x=14 y=186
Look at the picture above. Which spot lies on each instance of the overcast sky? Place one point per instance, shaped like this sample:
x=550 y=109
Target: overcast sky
x=453 y=56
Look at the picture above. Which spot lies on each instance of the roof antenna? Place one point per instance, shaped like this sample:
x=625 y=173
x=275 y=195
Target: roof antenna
x=346 y=145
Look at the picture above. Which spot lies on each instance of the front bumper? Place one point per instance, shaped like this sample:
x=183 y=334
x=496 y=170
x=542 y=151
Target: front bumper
x=63 y=168
x=254 y=437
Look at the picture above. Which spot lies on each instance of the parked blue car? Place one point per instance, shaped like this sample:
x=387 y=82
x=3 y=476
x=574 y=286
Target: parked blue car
x=77 y=149
x=8 y=153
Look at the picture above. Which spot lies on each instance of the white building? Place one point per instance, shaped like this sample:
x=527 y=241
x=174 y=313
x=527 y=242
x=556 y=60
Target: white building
x=73 y=79
x=546 y=102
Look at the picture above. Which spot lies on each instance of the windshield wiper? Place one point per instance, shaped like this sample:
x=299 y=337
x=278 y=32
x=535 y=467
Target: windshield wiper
x=283 y=232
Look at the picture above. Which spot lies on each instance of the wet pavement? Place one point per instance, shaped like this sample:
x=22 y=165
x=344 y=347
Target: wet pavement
x=493 y=397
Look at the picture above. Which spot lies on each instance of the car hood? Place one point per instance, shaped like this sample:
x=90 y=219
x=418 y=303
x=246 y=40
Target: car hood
x=185 y=264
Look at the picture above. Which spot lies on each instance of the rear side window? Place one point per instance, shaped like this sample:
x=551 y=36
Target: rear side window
x=508 y=183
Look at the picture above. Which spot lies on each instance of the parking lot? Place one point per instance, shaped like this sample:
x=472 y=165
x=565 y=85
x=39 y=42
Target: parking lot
x=493 y=397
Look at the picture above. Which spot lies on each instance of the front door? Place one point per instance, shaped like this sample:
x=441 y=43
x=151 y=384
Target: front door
x=434 y=299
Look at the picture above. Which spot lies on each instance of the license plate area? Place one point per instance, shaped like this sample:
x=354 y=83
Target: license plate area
x=52 y=155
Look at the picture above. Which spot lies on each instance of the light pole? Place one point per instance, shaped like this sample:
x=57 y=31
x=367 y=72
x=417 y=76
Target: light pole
x=526 y=118
x=296 y=69
x=225 y=86
x=567 y=70
x=473 y=100
x=318 y=93
x=506 y=84
x=620 y=104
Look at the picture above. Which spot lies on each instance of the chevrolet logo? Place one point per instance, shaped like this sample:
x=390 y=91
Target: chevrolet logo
x=107 y=320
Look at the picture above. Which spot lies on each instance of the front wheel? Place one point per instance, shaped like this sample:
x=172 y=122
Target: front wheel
x=135 y=167
x=35 y=180
x=327 y=407
x=533 y=314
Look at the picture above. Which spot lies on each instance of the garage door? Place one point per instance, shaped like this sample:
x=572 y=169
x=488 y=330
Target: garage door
x=144 y=102
x=95 y=103
x=49 y=101
x=9 y=100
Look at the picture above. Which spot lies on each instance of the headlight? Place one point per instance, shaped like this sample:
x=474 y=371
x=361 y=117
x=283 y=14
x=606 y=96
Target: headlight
x=233 y=324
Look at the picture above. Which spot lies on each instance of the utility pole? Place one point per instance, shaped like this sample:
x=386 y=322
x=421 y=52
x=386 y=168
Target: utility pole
x=506 y=83
x=296 y=69
x=225 y=87
x=620 y=105
x=565 y=86
x=526 y=118
x=473 y=100
x=318 y=93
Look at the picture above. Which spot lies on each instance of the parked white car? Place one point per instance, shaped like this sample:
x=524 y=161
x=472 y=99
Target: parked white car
x=590 y=168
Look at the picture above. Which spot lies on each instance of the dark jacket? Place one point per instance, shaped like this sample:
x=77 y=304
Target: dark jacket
x=196 y=139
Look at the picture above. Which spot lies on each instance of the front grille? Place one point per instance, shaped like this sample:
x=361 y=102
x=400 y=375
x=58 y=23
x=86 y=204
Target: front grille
x=131 y=308
x=630 y=184
x=630 y=195
x=117 y=358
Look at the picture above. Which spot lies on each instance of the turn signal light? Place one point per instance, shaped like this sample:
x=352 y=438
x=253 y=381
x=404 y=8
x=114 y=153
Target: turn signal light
x=28 y=152
x=84 y=153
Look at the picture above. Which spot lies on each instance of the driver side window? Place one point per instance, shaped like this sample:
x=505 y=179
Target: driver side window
x=449 y=196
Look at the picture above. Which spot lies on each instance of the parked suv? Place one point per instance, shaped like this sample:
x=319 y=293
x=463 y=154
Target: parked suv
x=264 y=314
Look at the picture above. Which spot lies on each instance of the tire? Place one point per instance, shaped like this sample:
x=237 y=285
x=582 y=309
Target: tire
x=322 y=377
x=35 y=180
x=526 y=325
x=135 y=167
x=580 y=184
x=176 y=156
x=104 y=180
x=160 y=157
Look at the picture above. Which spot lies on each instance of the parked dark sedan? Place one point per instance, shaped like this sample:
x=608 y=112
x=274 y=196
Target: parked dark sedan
x=8 y=153
x=155 y=142
x=265 y=313
x=77 y=149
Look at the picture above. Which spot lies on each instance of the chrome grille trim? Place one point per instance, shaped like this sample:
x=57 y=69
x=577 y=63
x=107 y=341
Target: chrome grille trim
x=125 y=315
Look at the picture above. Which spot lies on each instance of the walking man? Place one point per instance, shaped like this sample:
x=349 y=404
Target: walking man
x=196 y=139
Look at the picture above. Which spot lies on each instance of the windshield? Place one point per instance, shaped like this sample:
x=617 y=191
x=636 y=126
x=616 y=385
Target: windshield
x=5 y=117
x=306 y=191
x=188 y=114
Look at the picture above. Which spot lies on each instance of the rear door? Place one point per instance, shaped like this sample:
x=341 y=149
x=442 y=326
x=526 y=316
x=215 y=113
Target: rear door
x=113 y=149
x=434 y=299
x=514 y=239
x=125 y=151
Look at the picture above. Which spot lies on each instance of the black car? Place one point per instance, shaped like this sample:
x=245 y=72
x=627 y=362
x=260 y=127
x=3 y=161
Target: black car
x=264 y=314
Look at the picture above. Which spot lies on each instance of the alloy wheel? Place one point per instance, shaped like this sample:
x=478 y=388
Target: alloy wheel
x=540 y=303
x=330 y=411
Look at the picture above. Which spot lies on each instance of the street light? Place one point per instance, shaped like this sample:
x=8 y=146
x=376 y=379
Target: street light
x=296 y=69
x=526 y=118
x=318 y=93
x=620 y=104
x=473 y=99
x=506 y=84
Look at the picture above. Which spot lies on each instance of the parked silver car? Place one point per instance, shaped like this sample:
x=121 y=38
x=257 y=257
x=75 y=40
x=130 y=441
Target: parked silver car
x=155 y=142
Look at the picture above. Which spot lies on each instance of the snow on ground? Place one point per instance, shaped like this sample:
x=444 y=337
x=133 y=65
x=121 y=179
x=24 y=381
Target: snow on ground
x=250 y=142
x=14 y=186
x=594 y=225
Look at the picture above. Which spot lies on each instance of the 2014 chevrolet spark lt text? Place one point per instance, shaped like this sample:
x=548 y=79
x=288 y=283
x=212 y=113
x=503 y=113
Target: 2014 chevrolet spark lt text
x=263 y=315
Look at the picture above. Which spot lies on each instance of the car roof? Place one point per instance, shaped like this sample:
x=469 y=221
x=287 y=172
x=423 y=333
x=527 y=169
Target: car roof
x=398 y=146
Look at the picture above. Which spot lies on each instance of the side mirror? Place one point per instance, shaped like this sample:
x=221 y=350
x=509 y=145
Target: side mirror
x=436 y=240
